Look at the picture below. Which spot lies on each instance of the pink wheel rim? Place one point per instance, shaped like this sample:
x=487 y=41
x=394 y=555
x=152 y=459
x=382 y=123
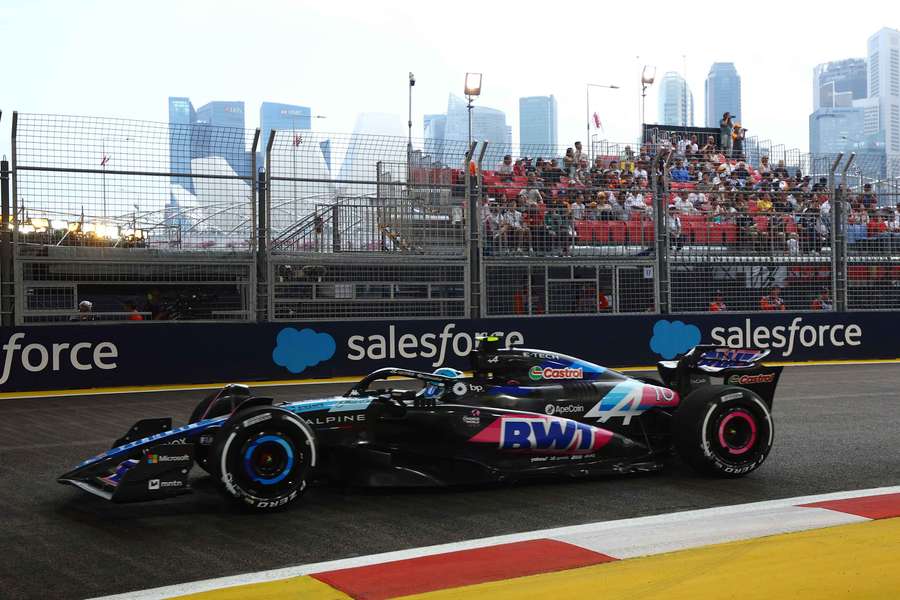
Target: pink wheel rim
x=740 y=415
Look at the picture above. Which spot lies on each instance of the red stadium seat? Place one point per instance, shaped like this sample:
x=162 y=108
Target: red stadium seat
x=729 y=232
x=635 y=231
x=584 y=231
x=617 y=232
x=601 y=232
x=858 y=273
x=701 y=232
x=716 y=234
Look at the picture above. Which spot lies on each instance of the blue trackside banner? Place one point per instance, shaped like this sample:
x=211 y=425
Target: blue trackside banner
x=148 y=353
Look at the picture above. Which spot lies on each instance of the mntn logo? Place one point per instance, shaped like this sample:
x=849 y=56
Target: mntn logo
x=547 y=433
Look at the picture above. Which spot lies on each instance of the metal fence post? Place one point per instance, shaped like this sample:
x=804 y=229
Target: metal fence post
x=839 y=240
x=266 y=293
x=6 y=272
x=660 y=209
x=255 y=254
x=472 y=258
x=835 y=251
x=16 y=287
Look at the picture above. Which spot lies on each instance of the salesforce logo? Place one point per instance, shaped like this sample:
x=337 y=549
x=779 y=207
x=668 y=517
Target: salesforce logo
x=38 y=358
x=298 y=350
x=671 y=338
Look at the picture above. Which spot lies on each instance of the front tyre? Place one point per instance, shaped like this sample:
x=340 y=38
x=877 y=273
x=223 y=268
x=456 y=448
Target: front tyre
x=263 y=457
x=725 y=431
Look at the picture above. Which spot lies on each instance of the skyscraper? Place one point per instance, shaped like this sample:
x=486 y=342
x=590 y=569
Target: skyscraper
x=435 y=130
x=676 y=102
x=280 y=117
x=722 y=93
x=488 y=125
x=181 y=120
x=538 y=124
x=836 y=123
x=225 y=137
x=884 y=85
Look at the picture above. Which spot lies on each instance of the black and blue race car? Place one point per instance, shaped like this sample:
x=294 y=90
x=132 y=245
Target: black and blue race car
x=523 y=413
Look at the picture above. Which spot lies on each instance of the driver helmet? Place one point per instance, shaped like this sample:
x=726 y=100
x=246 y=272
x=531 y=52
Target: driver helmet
x=435 y=389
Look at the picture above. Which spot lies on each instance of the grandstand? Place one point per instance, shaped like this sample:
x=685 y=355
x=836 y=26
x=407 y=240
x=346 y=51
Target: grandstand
x=667 y=224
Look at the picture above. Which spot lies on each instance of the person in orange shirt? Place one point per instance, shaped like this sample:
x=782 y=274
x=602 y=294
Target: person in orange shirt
x=718 y=302
x=133 y=314
x=772 y=301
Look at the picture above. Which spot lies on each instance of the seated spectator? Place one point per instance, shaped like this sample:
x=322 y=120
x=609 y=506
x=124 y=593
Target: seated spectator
x=604 y=302
x=868 y=198
x=558 y=221
x=764 y=166
x=577 y=207
x=709 y=150
x=679 y=173
x=85 y=312
x=506 y=167
x=591 y=213
x=569 y=162
x=579 y=153
x=764 y=204
x=604 y=207
x=772 y=301
x=133 y=314
x=876 y=226
x=740 y=172
x=718 y=302
x=673 y=227
x=513 y=230
x=793 y=244
x=552 y=172
x=534 y=221
x=685 y=206
x=822 y=301
x=781 y=171
x=634 y=201
x=519 y=168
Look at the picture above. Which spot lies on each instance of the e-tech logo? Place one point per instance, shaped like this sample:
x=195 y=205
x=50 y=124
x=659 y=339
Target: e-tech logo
x=35 y=358
x=548 y=433
x=428 y=345
x=781 y=336
x=538 y=373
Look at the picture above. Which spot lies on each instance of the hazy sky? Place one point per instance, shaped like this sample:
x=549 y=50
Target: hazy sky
x=125 y=58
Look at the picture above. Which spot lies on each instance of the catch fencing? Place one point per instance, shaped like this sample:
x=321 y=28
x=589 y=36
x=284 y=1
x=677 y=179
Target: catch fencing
x=196 y=222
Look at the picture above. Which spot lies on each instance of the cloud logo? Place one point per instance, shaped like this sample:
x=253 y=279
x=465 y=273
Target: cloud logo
x=671 y=338
x=298 y=350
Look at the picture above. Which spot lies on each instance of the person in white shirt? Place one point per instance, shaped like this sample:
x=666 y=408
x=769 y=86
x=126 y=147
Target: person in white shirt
x=506 y=167
x=635 y=201
x=684 y=206
x=793 y=244
x=577 y=208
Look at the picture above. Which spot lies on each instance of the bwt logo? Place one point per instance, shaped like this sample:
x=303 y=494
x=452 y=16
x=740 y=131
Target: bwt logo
x=551 y=434
x=35 y=358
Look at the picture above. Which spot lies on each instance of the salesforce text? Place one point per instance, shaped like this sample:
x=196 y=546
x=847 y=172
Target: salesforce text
x=780 y=336
x=429 y=345
x=83 y=356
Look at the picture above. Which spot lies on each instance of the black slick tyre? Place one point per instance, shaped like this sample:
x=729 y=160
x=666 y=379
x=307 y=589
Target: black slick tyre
x=263 y=456
x=724 y=431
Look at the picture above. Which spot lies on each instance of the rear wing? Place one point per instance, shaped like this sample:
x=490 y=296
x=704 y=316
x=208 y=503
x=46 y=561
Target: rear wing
x=735 y=366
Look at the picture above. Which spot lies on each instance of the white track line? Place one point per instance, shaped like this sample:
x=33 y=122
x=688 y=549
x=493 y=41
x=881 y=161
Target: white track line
x=624 y=538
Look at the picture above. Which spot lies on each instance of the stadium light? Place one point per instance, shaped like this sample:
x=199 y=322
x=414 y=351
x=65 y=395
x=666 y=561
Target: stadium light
x=648 y=75
x=473 y=84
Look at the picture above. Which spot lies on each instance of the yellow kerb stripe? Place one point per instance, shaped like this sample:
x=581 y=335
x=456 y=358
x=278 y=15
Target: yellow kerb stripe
x=304 y=587
x=851 y=561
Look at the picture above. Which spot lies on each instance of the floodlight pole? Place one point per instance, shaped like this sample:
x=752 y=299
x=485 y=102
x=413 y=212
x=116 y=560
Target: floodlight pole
x=587 y=112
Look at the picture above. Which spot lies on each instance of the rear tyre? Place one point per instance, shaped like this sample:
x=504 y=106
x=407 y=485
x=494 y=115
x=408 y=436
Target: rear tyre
x=263 y=457
x=725 y=431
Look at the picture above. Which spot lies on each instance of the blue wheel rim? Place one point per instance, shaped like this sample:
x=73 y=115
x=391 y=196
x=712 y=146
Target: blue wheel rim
x=248 y=462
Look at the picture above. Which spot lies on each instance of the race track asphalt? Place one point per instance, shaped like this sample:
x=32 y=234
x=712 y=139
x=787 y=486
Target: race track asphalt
x=837 y=428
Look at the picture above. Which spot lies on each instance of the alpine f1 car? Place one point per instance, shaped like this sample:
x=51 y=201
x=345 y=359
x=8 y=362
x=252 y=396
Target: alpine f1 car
x=523 y=413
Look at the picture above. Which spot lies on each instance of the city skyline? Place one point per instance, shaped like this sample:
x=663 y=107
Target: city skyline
x=538 y=121
x=74 y=62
